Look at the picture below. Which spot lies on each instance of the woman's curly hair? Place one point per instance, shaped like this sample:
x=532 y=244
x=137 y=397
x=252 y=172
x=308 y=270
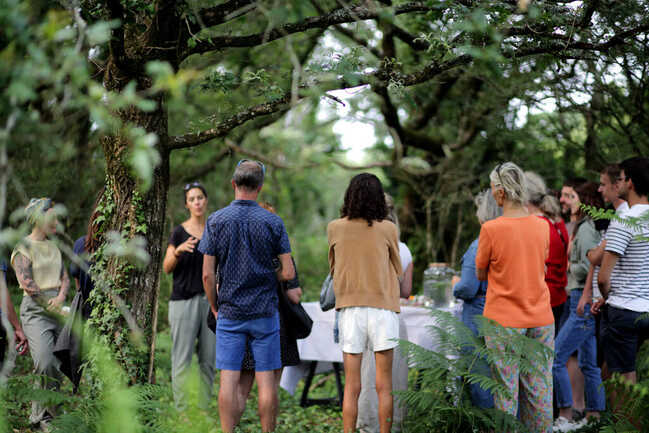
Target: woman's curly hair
x=364 y=199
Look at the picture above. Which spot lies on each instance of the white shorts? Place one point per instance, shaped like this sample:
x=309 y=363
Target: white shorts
x=367 y=327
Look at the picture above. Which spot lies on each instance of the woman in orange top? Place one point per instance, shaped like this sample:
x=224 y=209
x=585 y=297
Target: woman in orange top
x=511 y=255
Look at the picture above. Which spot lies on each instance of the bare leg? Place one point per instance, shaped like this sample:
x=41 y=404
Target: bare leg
x=267 y=399
x=566 y=412
x=229 y=399
x=577 y=384
x=278 y=378
x=246 y=380
x=352 y=363
x=384 y=388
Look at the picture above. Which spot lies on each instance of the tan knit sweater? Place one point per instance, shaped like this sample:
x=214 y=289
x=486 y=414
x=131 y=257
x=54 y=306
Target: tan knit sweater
x=365 y=264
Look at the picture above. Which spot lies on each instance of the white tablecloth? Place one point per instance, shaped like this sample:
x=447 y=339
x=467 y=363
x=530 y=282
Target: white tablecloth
x=320 y=346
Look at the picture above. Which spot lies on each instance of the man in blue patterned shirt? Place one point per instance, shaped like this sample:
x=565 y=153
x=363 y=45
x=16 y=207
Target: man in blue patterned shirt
x=243 y=240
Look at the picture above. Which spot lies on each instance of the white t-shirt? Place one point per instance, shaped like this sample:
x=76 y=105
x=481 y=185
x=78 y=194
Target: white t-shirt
x=405 y=255
x=630 y=276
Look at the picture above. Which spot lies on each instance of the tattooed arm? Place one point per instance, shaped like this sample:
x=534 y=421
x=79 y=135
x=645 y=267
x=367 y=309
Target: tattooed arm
x=23 y=268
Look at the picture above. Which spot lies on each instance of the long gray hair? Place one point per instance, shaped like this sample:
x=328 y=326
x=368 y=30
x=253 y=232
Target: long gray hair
x=392 y=212
x=486 y=206
x=539 y=196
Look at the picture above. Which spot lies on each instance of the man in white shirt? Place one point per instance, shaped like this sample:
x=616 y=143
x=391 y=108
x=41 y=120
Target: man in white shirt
x=624 y=275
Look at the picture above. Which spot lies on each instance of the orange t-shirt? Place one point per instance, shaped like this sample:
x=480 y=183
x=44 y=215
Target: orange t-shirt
x=514 y=250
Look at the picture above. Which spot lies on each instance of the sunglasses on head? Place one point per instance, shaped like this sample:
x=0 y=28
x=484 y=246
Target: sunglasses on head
x=192 y=185
x=498 y=173
x=261 y=164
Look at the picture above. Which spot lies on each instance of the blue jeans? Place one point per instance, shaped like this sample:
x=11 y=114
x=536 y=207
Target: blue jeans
x=578 y=333
x=479 y=397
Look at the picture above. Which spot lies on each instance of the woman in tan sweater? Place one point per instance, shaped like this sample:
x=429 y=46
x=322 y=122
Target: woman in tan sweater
x=365 y=264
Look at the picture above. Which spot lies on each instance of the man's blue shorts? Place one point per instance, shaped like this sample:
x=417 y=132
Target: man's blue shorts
x=263 y=336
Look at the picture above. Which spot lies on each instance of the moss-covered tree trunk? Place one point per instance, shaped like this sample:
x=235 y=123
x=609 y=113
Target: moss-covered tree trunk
x=132 y=213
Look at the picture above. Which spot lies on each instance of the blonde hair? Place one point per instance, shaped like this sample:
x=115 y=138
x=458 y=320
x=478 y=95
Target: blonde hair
x=511 y=179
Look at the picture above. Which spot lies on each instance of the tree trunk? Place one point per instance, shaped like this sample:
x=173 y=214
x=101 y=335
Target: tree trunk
x=137 y=214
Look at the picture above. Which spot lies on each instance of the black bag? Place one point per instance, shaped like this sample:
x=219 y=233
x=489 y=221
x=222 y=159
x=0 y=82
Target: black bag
x=211 y=321
x=297 y=320
x=68 y=344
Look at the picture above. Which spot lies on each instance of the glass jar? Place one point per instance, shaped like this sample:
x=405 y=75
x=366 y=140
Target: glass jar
x=437 y=284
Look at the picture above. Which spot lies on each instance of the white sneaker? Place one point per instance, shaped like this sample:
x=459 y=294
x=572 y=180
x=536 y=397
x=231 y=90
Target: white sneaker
x=579 y=424
x=562 y=424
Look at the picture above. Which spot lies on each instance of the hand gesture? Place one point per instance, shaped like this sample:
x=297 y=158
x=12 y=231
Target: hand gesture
x=55 y=304
x=583 y=301
x=294 y=295
x=597 y=305
x=187 y=246
x=22 y=346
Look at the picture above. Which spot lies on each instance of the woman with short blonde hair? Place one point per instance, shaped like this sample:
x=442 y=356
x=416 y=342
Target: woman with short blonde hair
x=511 y=255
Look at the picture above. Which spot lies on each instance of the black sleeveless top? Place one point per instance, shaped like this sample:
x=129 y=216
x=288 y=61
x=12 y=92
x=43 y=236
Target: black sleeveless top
x=188 y=273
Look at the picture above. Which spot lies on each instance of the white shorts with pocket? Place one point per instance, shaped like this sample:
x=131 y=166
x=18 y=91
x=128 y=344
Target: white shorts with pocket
x=367 y=327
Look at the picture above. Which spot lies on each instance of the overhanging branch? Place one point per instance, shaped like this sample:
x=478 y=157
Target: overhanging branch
x=224 y=127
x=383 y=78
x=338 y=16
x=222 y=13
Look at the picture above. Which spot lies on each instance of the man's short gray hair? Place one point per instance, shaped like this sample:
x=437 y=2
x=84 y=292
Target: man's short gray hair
x=511 y=179
x=248 y=175
x=486 y=207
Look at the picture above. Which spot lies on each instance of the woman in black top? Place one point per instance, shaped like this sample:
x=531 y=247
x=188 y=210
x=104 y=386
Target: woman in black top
x=188 y=306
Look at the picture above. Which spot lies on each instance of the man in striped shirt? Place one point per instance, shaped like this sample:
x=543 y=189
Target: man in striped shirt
x=624 y=275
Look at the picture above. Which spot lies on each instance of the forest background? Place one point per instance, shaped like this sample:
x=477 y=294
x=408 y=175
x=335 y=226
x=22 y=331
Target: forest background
x=143 y=97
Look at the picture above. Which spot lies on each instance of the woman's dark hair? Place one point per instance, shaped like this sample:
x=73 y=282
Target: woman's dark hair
x=92 y=240
x=589 y=196
x=364 y=199
x=188 y=187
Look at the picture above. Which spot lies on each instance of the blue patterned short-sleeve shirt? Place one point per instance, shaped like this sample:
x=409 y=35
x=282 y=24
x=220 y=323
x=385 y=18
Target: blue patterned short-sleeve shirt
x=245 y=238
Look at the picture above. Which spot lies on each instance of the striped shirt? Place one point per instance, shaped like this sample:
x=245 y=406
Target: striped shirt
x=630 y=277
x=620 y=211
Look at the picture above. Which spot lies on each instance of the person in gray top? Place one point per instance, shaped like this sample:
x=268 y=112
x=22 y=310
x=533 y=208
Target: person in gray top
x=578 y=332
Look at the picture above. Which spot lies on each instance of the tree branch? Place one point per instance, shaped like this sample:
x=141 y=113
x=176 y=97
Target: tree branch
x=431 y=109
x=222 y=13
x=338 y=16
x=408 y=39
x=381 y=78
x=227 y=125
x=364 y=166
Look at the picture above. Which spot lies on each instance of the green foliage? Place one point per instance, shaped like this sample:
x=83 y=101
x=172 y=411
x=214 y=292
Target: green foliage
x=638 y=223
x=113 y=260
x=441 y=400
